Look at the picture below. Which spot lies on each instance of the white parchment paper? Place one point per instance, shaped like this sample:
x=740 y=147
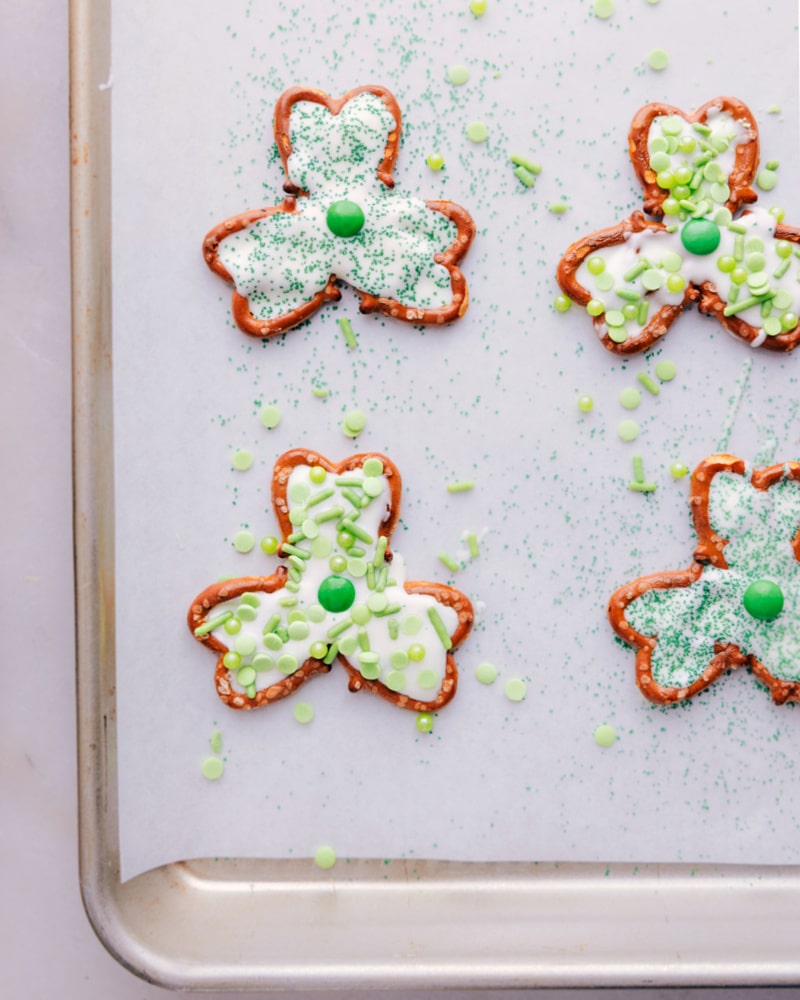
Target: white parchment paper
x=491 y=398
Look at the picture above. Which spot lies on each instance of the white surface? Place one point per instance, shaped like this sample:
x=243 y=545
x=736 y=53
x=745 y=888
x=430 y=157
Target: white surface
x=47 y=948
x=491 y=397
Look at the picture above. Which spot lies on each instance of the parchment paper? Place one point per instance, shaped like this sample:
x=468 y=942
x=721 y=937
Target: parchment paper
x=491 y=398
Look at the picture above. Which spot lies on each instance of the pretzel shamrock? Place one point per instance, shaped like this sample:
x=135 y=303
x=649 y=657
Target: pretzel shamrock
x=738 y=603
x=696 y=170
x=340 y=220
x=341 y=595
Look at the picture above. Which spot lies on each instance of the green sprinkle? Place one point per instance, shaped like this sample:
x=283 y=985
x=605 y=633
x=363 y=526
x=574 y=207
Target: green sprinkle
x=212 y=768
x=461 y=486
x=333 y=652
x=642 y=487
x=303 y=713
x=644 y=379
x=628 y=430
x=447 y=560
x=658 y=59
x=394 y=628
x=782 y=268
x=215 y=742
x=524 y=176
x=603 y=9
x=380 y=552
x=766 y=179
x=270 y=417
x=638 y=469
x=294 y=550
x=269 y=545
x=439 y=629
x=390 y=609
x=529 y=165
x=350 y=494
x=486 y=673
x=211 y=624
x=336 y=630
x=458 y=75
x=355 y=421
x=737 y=227
x=585 y=403
x=319 y=391
x=472 y=544
x=347 y=330
x=736 y=307
x=424 y=722
x=666 y=370
x=357 y=532
x=678 y=470
x=331 y=514
x=325 y=857
x=628 y=294
x=435 y=161
x=515 y=689
x=630 y=398
x=635 y=271
x=477 y=132
x=558 y=207
x=605 y=736
x=244 y=541
x=242 y=460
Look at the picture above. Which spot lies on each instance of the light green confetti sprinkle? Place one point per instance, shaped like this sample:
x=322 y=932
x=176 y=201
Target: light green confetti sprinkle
x=486 y=673
x=242 y=460
x=319 y=391
x=472 y=544
x=303 y=712
x=603 y=9
x=628 y=430
x=458 y=75
x=666 y=370
x=325 y=857
x=435 y=161
x=461 y=486
x=605 y=736
x=630 y=397
x=657 y=59
x=515 y=689
x=244 y=541
x=477 y=132
x=270 y=417
x=212 y=768
x=558 y=207
x=447 y=560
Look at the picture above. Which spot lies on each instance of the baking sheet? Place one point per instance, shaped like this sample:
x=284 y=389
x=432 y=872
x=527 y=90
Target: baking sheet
x=491 y=398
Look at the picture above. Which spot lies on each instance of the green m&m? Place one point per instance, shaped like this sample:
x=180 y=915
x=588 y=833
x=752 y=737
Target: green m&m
x=336 y=593
x=763 y=599
x=345 y=218
x=700 y=236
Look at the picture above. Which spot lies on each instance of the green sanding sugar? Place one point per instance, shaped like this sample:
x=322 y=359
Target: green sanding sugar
x=486 y=673
x=325 y=857
x=212 y=768
x=458 y=75
x=477 y=132
x=605 y=736
x=242 y=460
x=244 y=541
x=270 y=417
x=515 y=689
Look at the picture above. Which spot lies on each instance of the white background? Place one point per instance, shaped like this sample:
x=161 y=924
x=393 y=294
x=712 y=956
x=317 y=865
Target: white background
x=46 y=946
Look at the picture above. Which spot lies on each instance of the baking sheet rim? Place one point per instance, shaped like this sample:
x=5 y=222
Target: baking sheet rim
x=448 y=925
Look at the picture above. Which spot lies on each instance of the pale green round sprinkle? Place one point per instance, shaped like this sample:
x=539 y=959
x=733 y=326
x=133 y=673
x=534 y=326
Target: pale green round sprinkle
x=252 y=599
x=660 y=161
x=321 y=547
x=778 y=212
x=754 y=244
x=232 y=626
x=720 y=193
x=486 y=673
x=262 y=662
x=562 y=303
x=395 y=680
x=722 y=216
x=628 y=430
x=515 y=689
x=658 y=144
x=270 y=417
x=758 y=280
x=303 y=713
x=617 y=334
x=310 y=528
x=596 y=265
x=755 y=261
x=373 y=467
x=678 y=470
x=671 y=261
x=615 y=318
x=657 y=59
x=273 y=641
x=360 y=614
x=245 y=645
x=299 y=492
x=477 y=132
x=766 y=179
x=316 y=613
x=458 y=75
x=348 y=644
x=772 y=326
x=232 y=660
x=424 y=722
x=244 y=541
x=355 y=421
x=357 y=567
x=603 y=9
x=246 y=676
x=630 y=398
x=325 y=857
x=269 y=545
x=416 y=652
x=652 y=279
x=435 y=161
x=605 y=736
x=246 y=613
x=298 y=631
x=585 y=403
x=297 y=515
x=410 y=625
x=372 y=486
x=242 y=460
x=427 y=680
x=296 y=615
x=287 y=664
x=369 y=669
x=377 y=601
x=666 y=370
x=605 y=281
x=399 y=659
x=595 y=307
x=212 y=768
x=671 y=125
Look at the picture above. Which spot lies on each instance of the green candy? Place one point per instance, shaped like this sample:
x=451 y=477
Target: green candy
x=700 y=236
x=345 y=218
x=336 y=593
x=763 y=599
